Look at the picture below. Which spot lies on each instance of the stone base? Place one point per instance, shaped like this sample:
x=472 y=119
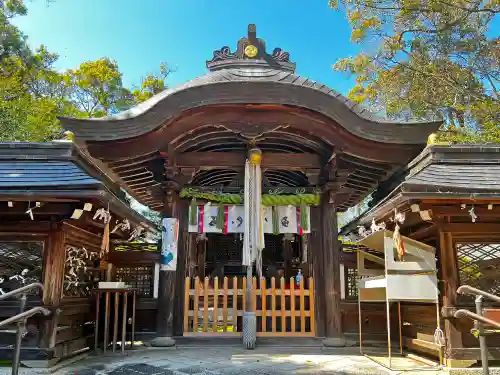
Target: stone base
x=334 y=342
x=249 y=330
x=459 y=363
x=163 y=342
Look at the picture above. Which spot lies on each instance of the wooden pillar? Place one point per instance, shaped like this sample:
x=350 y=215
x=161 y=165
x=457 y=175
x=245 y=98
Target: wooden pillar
x=180 y=282
x=53 y=277
x=331 y=271
x=167 y=278
x=316 y=255
x=288 y=252
x=201 y=252
x=191 y=253
x=451 y=282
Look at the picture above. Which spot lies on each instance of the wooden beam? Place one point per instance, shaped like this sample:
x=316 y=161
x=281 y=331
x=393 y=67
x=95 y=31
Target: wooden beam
x=46 y=208
x=473 y=228
x=134 y=257
x=41 y=199
x=28 y=227
x=457 y=201
x=292 y=161
x=265 y=189
x=424 y=232
x=456 y=210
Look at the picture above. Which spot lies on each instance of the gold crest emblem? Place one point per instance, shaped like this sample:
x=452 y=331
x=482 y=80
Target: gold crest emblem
x=251 y=51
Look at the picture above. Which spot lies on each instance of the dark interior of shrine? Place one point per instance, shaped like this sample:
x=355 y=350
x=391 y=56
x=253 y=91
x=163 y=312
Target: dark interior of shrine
x=221 y=256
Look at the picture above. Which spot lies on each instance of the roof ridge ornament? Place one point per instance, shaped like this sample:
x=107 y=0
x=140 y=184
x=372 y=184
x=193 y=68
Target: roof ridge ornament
x=251 y=52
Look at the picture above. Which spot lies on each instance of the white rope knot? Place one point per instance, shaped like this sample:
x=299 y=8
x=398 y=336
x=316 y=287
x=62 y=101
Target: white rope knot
x=439 y=337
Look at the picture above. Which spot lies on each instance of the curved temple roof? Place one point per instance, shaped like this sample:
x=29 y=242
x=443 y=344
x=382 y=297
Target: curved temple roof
x=237 y=79
x=249 y=97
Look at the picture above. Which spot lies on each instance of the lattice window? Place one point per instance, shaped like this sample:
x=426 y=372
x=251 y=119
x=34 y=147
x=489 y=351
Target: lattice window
x=479 y=266
x=351 y=282
x=20 y=264
x=273 y=251
x=223 y=248
x=140 y=278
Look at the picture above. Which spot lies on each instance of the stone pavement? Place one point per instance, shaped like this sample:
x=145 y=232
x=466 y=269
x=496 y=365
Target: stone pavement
x=227 y=361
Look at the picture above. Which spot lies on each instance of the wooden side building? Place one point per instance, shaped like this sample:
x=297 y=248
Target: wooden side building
x=51 y=232
x=450 y=196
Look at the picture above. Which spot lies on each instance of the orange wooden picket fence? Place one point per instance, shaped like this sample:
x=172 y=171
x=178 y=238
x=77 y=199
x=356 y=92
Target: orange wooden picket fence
x=216 y=308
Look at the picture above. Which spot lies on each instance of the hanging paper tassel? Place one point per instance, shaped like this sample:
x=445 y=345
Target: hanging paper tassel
x=304 y=217
x=298 y=219
x=219 y=223
x=201 y=219
x=105 y=240
x=276 y=220
x=400 y=247
x=226 y=219
x=253 y=241
x=106 y=217
x=193 y=212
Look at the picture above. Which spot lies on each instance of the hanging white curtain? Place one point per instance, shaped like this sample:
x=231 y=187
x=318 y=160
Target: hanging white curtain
x=253 y=241
x=259 y=219
x=247 y=249
x=288 y=220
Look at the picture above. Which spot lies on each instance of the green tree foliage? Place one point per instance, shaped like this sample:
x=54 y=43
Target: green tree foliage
x=11 y=39
x=33 y=93
x=152 y=84
x=426 y=57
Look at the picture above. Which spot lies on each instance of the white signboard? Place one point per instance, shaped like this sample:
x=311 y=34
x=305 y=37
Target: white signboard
x=170 y=238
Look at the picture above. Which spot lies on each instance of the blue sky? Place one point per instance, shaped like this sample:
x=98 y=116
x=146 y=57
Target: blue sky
x=139 y=34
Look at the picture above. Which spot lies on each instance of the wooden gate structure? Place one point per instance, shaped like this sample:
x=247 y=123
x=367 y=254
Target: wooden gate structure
x=218 y=310
x=321 y=154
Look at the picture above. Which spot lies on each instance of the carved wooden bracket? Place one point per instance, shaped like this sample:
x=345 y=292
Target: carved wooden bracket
x=313 y=176
x=171 y=187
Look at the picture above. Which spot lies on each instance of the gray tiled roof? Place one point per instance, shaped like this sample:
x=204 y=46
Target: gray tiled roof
x=59 y=170
x=38 y=173
x=453 y=176
x=444 y=172
x=455 y=168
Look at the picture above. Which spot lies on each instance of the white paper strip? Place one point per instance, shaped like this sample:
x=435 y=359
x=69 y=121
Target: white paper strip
x=210 y=219
x=287 y=219
x=77 y=213
x=236 y=221
x=268 y=219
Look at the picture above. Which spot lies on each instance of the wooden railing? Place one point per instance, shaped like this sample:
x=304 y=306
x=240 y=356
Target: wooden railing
x=215 y=307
